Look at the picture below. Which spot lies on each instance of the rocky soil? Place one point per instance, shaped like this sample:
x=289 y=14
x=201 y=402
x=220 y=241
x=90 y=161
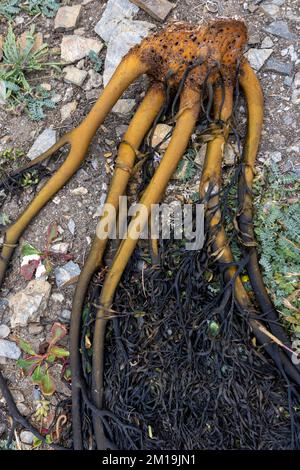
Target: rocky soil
x=28 y=309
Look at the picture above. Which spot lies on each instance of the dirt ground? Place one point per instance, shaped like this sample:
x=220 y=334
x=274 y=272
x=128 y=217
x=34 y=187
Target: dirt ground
x=281 y=133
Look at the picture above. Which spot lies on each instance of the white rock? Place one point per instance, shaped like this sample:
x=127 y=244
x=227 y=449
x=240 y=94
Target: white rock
x=124 y=106
x=270 y=9
x=81 y=191
x=9 y=350
x=28 y=304
x=116 y=12
x=65 y=315
x=60 y=248
x=74 y=75
x=230 y=154
x=4 y=331
x=57 y=297
x=26 y=437
x=44 y=141
x=296 y=96
x=257 y=57
x=161 y=131
x=35 y=329
x=276 y=157
x=67 y=110
x=71 y=226
x=2 y=92
x=296 y=83
x=94 y=81
x=67 y=17
x=128 y=35
x=67 y=274
x=267 y=43
x=74 y=48
x=120 y=32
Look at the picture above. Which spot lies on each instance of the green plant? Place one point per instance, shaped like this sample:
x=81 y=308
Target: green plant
x=37 y=366
x=47 y=7
x=277 y=227
x=10 y=8
x=18 y=62
x=96 y=61
x=29 y=179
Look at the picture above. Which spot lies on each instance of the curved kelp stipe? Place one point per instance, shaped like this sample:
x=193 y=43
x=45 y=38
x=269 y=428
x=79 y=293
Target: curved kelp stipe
x=254 y=100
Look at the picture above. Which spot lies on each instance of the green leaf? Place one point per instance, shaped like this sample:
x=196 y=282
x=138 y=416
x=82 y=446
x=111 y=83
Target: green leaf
x=37 y=442
x=28 y=250
x=47 y=384
x=59 y=352
x=58 y=331
x=37 y=375
x=26 y=347
x=27 y=364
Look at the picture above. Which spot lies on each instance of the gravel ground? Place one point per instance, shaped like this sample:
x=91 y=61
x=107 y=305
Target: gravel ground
x=280 y=142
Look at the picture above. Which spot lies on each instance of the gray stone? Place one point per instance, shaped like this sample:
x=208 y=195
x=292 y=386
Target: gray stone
x=257 y=57
x=4 y=331
x=67 y=110
x=94 y=81
x=124 y=106
x=288 y=81
x=270 y=9
x=35 y=329
x=128 y=35
x=44 y=141
x=60 y=248
x=26 y=437
x=160 y=133
x=278 y=2
x=254 y=39
x=67 y=17
x=279 y=28
x=74 y=75
x=65 y=315
x=120 y=32
x=158 y=9
x=296 y=83
x=282 y=68
x=2 y=428
x=296 y=96
x=267 y=43
x=120 y=130
x=74 y=48
x=28 y=305
x=276 y=157
x=9 y=350
x=116 y=12
x=23 y=409
x=3 y=304
x=2 y=92
x=67 y=274
x=71 y=226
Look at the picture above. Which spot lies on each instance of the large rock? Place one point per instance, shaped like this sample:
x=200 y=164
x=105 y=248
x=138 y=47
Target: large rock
x=74 y=47
x=67 y=274
x=67 y=17
x=44 y=141
x=158 y=9
x=9 y=350
x=120 y=32
x=28 y=305
x=67 y=110
x=280 y=29
x=257 y=57
x=124 y=106
x=74 y=75
x=282 y=68
x=116 y=12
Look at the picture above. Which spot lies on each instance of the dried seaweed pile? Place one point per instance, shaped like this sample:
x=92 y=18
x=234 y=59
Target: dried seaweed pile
x=182 y=368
